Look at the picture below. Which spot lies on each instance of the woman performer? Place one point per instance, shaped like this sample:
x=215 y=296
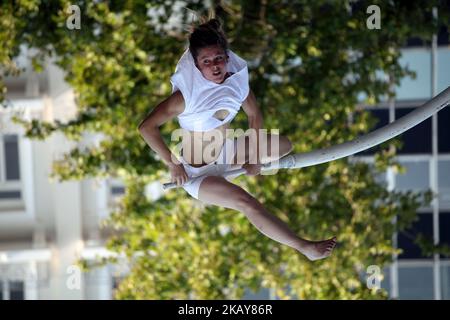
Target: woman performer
x=209 y=86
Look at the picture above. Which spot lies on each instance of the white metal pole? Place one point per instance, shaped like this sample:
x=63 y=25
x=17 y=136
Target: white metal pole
x=390 y=175
x=434 y=165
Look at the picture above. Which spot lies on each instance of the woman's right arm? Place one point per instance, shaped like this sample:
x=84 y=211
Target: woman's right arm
x=149 y=129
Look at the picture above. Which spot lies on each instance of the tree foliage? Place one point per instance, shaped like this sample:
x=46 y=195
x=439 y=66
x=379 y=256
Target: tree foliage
x=309 y=61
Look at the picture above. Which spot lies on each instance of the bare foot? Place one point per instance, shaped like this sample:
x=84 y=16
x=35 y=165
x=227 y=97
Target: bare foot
x=315 y=250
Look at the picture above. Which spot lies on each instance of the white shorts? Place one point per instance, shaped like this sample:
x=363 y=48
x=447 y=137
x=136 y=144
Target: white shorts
x=216 y=168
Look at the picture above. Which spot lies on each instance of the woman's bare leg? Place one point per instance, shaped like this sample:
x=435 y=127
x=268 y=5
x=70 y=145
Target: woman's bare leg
x=246 y=149
x=220 y=192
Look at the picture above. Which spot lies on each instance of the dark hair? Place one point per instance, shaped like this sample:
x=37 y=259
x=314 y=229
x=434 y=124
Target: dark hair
x=207 y=34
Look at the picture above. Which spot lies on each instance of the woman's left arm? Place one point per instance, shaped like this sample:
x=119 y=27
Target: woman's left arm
x=255 y=122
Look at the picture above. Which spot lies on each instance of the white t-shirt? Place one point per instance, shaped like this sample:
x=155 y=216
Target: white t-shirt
x=203 y=97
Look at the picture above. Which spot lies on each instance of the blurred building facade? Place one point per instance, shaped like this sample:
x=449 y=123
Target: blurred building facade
x=425 y=155
x=46 y=225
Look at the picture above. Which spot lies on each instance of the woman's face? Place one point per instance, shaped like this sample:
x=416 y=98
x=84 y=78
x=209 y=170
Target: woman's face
x=212 y=63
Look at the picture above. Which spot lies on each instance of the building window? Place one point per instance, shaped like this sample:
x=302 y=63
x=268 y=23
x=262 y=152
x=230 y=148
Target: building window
x=415 y=282
x=443 y=60
x=16 y=290
x=419 y=61
x=444 y=229
x=116 y=187
x=11 y=157
x=10 y=195
x=417 y=139
x=10 y=187
x=386 y=281
x=116 y=191
x=444 y=130
x=416 y=177
x=444 y=183
x=116 y=280
x=424 y=226
x=12 y=290
x=443 y=35
x=382 y=116
x=445 y=282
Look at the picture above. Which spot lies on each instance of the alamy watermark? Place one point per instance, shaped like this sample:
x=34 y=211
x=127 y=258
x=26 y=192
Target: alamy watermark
x=73 y=281
x=374 y=20
x=14 y=272
x=374 y=278
x=74 y=20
